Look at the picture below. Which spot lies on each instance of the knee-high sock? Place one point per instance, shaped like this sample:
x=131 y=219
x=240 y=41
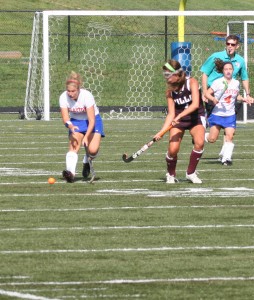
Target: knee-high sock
x=194 y=160
x=171 y=164
x=71 y=161
x=85 y=159
x=228 y=151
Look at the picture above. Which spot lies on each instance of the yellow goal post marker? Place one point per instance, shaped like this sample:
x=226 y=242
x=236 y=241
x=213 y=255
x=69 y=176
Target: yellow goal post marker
x=182 y=6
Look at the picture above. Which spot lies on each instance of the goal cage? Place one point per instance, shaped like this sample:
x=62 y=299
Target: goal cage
x=120 y=55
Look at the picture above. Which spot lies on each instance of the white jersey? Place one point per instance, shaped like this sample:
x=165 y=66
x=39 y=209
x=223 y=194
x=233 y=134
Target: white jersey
x=226 y=105
x=77 y=109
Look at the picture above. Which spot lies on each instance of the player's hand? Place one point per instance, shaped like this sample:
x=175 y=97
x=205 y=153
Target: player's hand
x=73 y=128
x=175 y=121
x=204 y=98
x=249 y=100
x=157 y=136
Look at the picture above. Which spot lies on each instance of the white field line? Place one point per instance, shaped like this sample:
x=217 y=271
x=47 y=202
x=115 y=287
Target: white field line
x=208 y=226
x=81 y=182
x=153 y=249
x=237 y=192
x=130 y=281
x=236 y=206
x=23 y=296
x=117 y=160
x=16 y=277
x=19 y=171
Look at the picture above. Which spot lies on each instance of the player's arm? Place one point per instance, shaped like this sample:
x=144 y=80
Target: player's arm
x=206 y=70
x=246 y=87
x=66 y=119
x=204 y=80
x=91 y=123
x=244 y=99
x=169 y=118
x=210 y=96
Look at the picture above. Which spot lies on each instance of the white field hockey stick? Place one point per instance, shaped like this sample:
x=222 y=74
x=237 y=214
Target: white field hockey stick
x=144 y=148
x=224 y=89
x=209 y=112
x=93 y=174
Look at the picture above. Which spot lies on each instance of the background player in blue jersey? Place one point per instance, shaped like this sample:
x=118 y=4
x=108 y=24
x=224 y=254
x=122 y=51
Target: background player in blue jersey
x=185 y=112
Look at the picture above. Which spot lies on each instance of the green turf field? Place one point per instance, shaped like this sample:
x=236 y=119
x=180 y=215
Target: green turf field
x=129 y=235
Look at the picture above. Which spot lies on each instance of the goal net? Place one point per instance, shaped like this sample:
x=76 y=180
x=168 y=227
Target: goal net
x=119 y=55
x=245 y=31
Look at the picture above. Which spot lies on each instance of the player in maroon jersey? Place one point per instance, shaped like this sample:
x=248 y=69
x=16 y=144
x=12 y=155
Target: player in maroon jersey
x=185 y=112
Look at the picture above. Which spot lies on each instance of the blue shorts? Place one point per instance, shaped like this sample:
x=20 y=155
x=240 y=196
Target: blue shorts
x=223 y=122
x=83 y=124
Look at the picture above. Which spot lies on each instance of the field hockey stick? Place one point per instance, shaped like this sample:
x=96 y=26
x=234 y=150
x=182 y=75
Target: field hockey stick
x=224 y=89
x=93 y=174
x=144 y=148
x=209 y=108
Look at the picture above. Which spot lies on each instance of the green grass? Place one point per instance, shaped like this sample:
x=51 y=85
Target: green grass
x=128 y=235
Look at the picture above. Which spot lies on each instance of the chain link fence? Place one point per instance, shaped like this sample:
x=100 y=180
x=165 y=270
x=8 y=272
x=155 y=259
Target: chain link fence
x=128 y=52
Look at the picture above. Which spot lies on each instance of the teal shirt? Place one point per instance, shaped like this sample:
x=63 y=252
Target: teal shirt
x=210 y=70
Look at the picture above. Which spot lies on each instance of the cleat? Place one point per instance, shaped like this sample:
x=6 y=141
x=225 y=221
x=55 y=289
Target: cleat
x=170 y=178
x=86 y=170
x=193 y=178
x=220 y=158
x=69 y=177
x=226 y=162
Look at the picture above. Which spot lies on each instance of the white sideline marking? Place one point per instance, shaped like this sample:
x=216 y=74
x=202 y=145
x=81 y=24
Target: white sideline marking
x=127 y=207
x=181 y=192
x=24 y=296
x=135 y=281
x=130 y=227
x=165 y=248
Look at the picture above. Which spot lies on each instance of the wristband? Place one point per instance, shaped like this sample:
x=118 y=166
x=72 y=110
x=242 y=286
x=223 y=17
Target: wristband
x=67 y=124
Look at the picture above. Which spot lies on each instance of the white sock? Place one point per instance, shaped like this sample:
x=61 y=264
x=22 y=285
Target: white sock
x=85 y=159
x=71 y=161
x=222 y=150
x=228 y=151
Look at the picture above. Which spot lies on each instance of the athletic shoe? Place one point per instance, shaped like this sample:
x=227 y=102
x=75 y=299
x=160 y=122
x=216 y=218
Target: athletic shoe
x=220 y=158
x=193 y=178
x=170 y=178
x=86 y=170
x=226 y=162
x=69 y=177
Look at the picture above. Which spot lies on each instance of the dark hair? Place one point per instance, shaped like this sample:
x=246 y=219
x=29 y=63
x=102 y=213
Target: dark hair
x=232 y=37
x=181 y=75
x=219 y=64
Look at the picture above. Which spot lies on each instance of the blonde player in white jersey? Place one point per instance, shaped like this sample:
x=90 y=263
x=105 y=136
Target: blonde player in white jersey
x=224 y=92
x=81 y=116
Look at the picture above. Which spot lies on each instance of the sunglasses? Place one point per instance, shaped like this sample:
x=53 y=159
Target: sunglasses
x=231 y=44
x=167 y=74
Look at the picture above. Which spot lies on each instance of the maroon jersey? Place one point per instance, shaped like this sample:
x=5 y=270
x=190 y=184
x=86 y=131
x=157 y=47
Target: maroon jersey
x=182 y=100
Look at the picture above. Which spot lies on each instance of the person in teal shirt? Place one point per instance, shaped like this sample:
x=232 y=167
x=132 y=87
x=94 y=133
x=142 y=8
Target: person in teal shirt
x=209 y=72
x=208 y=69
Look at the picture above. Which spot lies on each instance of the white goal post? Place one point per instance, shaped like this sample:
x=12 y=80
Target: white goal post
x=119 y=55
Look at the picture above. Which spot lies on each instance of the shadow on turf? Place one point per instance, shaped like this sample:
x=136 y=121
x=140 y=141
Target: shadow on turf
x=211 y=160
x=76 y=179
